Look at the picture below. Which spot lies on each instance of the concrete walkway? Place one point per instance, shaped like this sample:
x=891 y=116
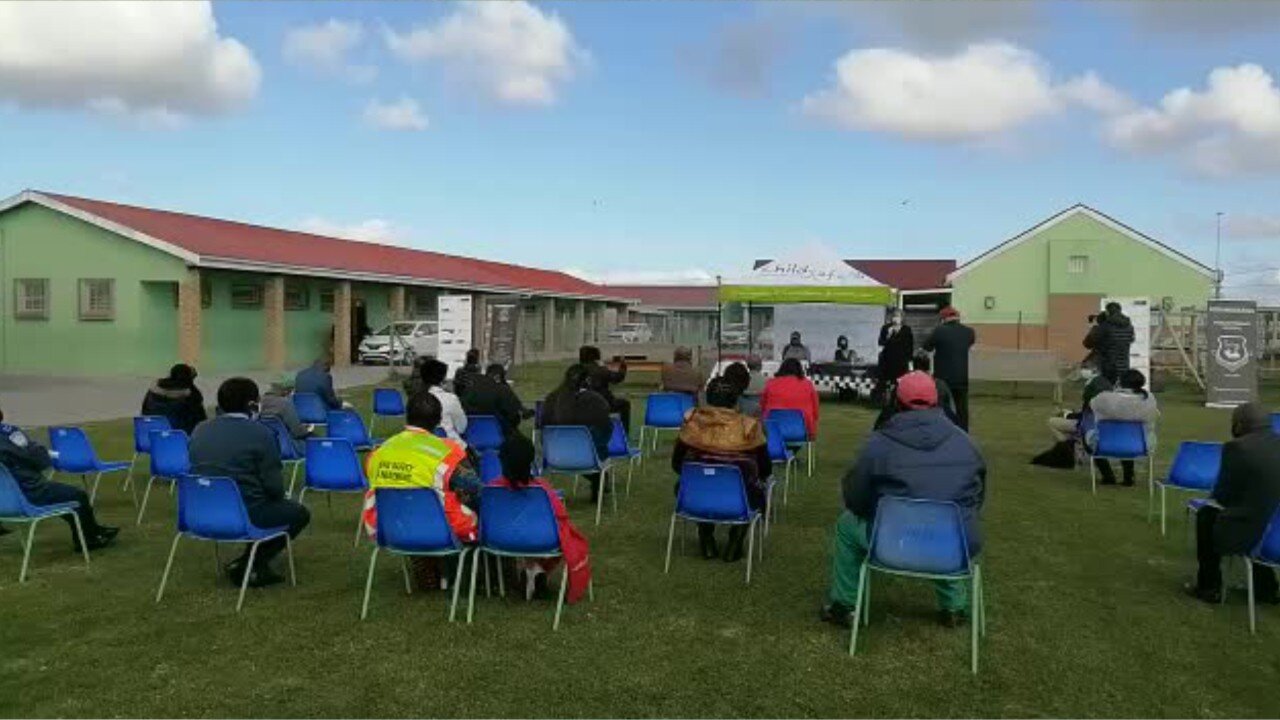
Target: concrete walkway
x=41 y=400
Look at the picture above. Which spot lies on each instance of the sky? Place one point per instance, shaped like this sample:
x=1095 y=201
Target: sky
x=662 y=141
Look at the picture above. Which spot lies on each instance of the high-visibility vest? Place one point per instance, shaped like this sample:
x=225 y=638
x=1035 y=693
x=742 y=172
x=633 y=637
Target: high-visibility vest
x=414 y=458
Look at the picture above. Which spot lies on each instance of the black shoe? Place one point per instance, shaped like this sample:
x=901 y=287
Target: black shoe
x=263 y=576
x=707 y=543
x=1107 y=481
x=1209 y=595
x=951 y=618
x=104 y=536
x=836 y=614
x=733 y=547
x=1128 y=482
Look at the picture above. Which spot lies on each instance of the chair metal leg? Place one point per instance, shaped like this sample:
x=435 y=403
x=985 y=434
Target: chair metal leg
x=1151 y=487
x=671 y=536
x=146 y=495
x=84 y=547
x=217 y=563
x=810 y=454
x=359 y=526
x=93 y=493
x=502 y=581
x=1163 y=511
x=591 y=590
x=604 y=478
x=613 y=488
x=974 y=618
x=128 y=478
x=1093 y=475
x=248 y=572
x=173 y=550
x=477 y=557
x=859 y=609
x=26 y=551
x=564 y=586
x=368 y=583
x=488 y=590
x=302 y=493
x=404 y=570
x=631 y=468
x=457 y=582
x=1253 y=606
x=288 y=552
x=751 y=547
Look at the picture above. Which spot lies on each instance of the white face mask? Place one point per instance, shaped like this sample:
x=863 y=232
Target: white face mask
x=896 y=320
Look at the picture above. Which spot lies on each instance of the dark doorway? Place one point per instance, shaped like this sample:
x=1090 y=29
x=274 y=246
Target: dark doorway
x=359 y=326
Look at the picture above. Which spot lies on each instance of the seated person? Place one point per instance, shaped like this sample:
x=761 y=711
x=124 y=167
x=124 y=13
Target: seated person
x=318 y=380
x=1243 y=503
x=177 y=399
x=1130 y=401
x=602 y=379
x=680 y=376
x=923 y=363
x=469 y=370
x=453 y=419
x=789 y=389
x=740 y=376
x=575 y=403
x=235 y=445
x=413 y=384
x=795 y=349
x=416 y=457
x=758 y=379
x=31 y=465
x=1067 y=428
x=517 y=458
x=277 y=404
x=490 y=394
x=920 y=454
x=717 y=433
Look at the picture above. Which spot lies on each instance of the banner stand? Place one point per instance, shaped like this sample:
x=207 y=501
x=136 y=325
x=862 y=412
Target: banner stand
x=1231 y=330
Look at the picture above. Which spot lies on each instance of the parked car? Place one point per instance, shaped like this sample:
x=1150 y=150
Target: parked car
x=400 y=343
x=631 y=333
x=734 y=334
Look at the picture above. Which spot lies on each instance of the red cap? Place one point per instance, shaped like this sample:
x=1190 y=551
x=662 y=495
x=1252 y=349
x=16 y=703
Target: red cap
x=949 y=312
x=917 y=389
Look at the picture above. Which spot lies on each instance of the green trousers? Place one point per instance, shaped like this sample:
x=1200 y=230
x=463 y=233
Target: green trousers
x=849 y=550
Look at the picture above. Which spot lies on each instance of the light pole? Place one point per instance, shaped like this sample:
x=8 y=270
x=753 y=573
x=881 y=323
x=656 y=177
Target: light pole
x=1217 y=262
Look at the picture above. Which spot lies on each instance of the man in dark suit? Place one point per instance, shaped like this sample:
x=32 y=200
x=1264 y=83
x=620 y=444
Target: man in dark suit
x=950 y=343
x=602 y=379
x=1243 y=503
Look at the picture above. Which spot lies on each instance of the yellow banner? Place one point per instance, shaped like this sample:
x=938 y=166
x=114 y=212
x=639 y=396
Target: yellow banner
x=806 y=294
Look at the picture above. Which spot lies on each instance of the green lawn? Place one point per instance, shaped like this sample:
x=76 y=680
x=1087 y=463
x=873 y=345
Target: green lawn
x=1085 y=608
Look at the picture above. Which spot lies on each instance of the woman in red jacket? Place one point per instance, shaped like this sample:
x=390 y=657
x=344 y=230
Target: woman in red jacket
x=789 y=389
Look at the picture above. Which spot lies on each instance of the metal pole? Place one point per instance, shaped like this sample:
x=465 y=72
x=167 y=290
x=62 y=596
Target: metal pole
x=719 y=323
x=749 y=339
x=1217 y=261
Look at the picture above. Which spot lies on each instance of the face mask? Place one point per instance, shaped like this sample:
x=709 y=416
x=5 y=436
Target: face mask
x=254 y=410
x=896 y=321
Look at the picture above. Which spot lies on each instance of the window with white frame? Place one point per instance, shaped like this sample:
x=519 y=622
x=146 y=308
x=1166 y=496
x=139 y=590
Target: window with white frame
x=31 y=298
x=1078 y=264
x=246 y=296
x=97 y=299
x=296 y=296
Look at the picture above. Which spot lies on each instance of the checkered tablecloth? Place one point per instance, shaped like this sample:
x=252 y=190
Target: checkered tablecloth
x=857 y=380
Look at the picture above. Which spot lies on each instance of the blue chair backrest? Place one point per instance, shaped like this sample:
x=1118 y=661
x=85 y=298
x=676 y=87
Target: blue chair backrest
x=790 y=423
x=922 y=536
x=332 y=464
x=288 y=451
x=618 y=444
x=518 y=521
x=387 y=401
x=311 y=409
x=1121 y=439
x=75 y=453
x=569 y=448
x=412 y=520
x=666 y=410
x=490 y=466
x=1087 y=423
x=484 y=432
x=212 y=508
x=347 y=425
x=774 y=439
x=13 y=503
x=715 y=492
x=1196 y=465
x=1275 y=422
x=142 y=427
x=169 y=454
x=1269 y=548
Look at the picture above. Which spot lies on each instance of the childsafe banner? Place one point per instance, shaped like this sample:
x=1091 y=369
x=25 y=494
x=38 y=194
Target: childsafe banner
x=1232 y=369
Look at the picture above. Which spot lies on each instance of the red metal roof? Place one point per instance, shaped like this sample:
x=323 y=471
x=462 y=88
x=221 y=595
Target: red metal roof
x=669 y=297
x=214 y=239
x=907 y=274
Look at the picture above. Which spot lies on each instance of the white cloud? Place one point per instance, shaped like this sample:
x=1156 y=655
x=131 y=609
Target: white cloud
x=158 y=62
x=327 y=47
x=512 y=51
x=687 y=276
x=1231 y=127
x=742 y=56
x=932 y=24
x=402 y=114
x=373 y=230
x=1251 y=227
x=983 y=90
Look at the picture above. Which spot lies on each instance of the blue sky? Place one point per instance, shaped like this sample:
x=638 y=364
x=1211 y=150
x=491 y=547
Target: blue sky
x=665 y=139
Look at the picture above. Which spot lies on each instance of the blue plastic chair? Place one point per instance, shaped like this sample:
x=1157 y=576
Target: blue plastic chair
x=1266 y=553
x=332 y=466
x=1123 y=440
x=922 y=539
x=663 y=411
x=15 y=509
x=170 y=460
x=1275 y=422
x=1195 y=469
x=794 y=432
x=518 y=523
x=779 y=453
x=411 y=522
x=621 y=449
x=716 y=494
x=289 y=453
x=570 y=450
x=311 y=409
x=490 y=466
x=387 y=402
x=347 y=425
x=142 y=427
x=75 y=455
x=483 y=432
x=210 y=508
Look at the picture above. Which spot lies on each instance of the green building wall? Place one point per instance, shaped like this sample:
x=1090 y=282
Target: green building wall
x=36 y=242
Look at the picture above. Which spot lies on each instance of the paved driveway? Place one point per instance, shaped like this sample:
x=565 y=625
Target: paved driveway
x=40 y=400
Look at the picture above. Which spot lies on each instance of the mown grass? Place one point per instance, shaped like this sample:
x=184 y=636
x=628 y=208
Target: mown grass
x=1086 y=615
